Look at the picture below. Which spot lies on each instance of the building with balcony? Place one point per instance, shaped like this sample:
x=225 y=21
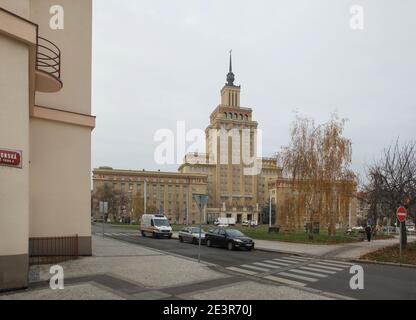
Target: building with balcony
x=45 y=132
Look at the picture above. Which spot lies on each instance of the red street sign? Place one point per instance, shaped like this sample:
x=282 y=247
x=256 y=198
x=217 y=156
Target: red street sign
x=10 y=158
x=401 y=214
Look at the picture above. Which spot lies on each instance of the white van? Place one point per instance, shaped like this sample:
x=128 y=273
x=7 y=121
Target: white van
x=224 y=222
x=155 y=226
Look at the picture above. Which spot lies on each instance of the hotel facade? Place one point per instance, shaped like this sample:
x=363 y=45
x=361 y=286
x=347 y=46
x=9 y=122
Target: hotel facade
x=45 y=132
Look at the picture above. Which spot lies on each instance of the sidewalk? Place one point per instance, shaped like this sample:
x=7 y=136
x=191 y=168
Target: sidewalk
x=349 y=251
x=120 y=270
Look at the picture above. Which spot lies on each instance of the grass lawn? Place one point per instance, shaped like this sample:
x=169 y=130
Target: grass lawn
x=261 y=233
x=392 y=254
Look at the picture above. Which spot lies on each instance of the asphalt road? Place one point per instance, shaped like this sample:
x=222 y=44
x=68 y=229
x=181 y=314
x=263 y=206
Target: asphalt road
x=380 y=281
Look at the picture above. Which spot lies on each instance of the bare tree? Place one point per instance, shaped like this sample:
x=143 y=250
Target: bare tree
x=392 y=182
x=317 y=163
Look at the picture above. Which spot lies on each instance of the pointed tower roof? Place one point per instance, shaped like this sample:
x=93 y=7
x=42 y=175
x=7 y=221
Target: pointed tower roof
x=230 y=75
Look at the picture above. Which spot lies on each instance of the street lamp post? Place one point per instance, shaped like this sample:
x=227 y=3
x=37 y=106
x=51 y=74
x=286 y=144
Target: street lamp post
x=270 y=211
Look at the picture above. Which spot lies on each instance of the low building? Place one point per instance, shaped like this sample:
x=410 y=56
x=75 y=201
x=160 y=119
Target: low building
x=128 y=193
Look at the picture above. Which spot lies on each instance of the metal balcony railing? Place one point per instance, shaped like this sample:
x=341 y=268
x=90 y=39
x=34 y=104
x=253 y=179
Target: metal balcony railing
x=48 y=58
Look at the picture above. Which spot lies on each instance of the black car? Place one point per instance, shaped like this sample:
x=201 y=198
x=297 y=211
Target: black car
x=228 y=238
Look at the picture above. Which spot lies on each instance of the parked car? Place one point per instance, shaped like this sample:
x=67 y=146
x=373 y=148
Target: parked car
x=411 y=229
x=155 y=226
x=249 y=223
x=224 y=222
x=228 y=238
x=191 y=234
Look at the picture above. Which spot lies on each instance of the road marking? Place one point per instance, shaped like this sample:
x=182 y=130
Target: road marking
x=267 y=265
x=332 y=264
x=297 y=259
x=286 y=281
x=308 y=273
x=108 y=234
x=254 y=268
x=285 y=261
x=324 y=267
x=278 y=263
x=290 y=260
x=319 y=270
x=290 y=275
x=347 y=264
x=241 y=270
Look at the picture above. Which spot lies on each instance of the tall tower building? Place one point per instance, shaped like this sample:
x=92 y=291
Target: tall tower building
x=237 y=177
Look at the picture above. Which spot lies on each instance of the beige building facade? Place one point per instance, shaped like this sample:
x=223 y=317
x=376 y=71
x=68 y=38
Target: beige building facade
x=167 y=193
x=238 y=178
x=45 y=130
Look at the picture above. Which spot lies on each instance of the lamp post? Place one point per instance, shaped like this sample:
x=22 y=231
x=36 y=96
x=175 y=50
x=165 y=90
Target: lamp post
x=270 y=210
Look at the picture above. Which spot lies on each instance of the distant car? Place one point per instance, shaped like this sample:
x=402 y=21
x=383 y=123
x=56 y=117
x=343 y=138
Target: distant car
x=224 y=222
x=358 y=228
x=411 y=228
x=228 y=238
x=249 y=223
x=191 y=234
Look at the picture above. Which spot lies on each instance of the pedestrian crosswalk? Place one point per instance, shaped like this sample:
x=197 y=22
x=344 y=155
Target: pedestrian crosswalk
x=116 y=234
x=293 y=270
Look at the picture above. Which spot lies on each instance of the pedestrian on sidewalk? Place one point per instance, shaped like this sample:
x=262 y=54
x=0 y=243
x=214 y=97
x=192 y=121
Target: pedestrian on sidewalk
x=368 y=231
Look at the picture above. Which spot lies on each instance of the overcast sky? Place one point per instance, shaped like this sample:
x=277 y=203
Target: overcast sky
x=156 y=62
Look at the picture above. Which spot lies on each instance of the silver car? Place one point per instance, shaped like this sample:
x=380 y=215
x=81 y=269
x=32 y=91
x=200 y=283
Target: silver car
x=191 y=234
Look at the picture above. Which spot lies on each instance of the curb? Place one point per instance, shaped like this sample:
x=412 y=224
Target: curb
x=393 y=264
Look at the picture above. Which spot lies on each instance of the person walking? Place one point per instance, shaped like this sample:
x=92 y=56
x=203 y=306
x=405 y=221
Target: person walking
x=368 y=232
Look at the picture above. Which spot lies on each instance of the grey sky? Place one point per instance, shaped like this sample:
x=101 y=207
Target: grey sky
x=157 y=62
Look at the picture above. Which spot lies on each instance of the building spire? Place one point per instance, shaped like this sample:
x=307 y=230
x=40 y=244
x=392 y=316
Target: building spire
x=231 y=61
x=230 y=75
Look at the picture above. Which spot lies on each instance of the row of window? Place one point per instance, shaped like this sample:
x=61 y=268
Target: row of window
x=149 y=180
x=235 y=116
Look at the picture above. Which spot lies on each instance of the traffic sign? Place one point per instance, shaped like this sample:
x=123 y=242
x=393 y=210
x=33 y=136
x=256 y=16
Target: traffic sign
x=401 y=214
x=103 y=207
x=201 y=200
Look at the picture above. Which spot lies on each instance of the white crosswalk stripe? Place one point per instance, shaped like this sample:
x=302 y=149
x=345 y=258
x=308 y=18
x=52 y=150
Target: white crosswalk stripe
x=332 y=264
x=348 y=264
x=284 y=261
x=267 y=265
x=247 y=266
x=295 y=276
x=241 y=270
x=286 y=281
x=325 y=267
x=278 y=263
x=296 y=271
x=308 y=273
x=297 y=259
x=318 y=270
